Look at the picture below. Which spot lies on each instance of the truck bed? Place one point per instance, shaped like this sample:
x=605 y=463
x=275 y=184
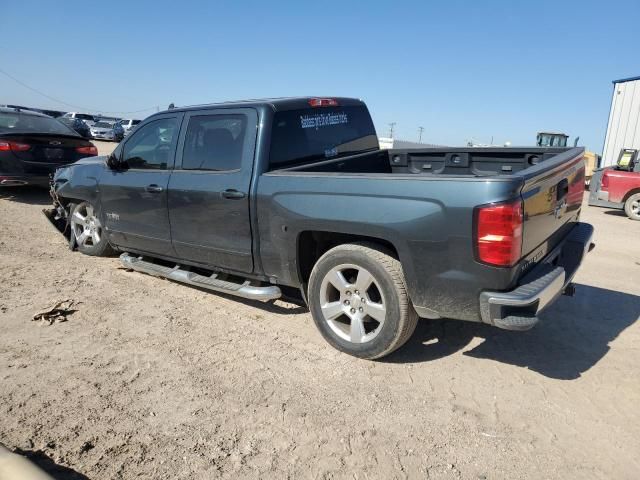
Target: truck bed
x=477 y=162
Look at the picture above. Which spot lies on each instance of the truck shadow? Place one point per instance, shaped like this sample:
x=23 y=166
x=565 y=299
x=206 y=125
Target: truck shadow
x=615 y=213
x=44 y=462
x=572 y=336
x=27 y=194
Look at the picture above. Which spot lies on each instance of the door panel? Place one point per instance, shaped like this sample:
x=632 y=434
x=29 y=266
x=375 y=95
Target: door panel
x=209 y=188
x=134 y=199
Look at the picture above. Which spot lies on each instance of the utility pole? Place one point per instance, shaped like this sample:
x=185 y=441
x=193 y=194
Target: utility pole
x=391 y=125
x=420 y=130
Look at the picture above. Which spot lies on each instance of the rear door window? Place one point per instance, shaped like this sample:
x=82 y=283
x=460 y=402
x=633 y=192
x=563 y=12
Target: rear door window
x=214 y=142
x=314 y=134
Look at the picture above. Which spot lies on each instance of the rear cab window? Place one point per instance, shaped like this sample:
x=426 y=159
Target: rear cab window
x=314 y=134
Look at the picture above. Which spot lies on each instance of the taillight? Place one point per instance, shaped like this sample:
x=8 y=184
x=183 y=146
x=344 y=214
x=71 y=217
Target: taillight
x=323 y=102
x=604 y=183
x=498 y=233
x=14 y=147
x=87 y=150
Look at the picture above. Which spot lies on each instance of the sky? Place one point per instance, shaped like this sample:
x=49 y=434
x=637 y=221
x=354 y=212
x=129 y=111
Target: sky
x=463 y=70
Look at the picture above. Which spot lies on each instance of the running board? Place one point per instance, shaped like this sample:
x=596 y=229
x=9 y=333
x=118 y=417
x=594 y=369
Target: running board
x=245 y=289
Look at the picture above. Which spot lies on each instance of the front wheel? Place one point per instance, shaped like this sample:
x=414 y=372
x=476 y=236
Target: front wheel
x=632 y=207
x=359 y=302
x=91 y=239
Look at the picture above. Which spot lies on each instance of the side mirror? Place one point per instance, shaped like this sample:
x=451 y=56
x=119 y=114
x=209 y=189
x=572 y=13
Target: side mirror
x=114 y=162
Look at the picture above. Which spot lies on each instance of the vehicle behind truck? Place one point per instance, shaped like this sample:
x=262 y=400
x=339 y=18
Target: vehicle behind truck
x=270 y=199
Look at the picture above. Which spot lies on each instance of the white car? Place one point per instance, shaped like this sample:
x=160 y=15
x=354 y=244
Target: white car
x=85 y=117
x=128 y=124
x=104 y=130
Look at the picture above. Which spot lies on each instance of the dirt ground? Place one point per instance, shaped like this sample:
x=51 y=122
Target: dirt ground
x=153 y=379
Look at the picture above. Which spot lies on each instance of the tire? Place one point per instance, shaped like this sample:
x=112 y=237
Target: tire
x=359 y=302
x=632 y=207
x=90 y=237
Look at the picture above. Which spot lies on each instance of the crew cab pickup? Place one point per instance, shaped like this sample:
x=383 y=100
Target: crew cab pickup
x=263 y=198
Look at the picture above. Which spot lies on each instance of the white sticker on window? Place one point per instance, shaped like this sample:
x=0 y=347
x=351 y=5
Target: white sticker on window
x=323 y=120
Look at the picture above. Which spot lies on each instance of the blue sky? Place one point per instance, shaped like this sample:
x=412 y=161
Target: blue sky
x=462 y=70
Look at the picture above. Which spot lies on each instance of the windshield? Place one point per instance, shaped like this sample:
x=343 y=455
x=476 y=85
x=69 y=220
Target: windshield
x=312 y=134
x=103 y=125
x=24 y=123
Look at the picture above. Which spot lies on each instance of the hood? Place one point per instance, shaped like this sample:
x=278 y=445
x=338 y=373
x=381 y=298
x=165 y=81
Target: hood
x=64 y=172
x=90 y=161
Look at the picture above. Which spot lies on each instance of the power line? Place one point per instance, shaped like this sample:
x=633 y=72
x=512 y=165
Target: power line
x=65 y=103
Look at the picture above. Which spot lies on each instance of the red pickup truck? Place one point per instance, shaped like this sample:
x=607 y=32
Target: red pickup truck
x=619 y=186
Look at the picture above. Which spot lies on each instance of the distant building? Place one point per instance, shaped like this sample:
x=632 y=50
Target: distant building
x=623 y=129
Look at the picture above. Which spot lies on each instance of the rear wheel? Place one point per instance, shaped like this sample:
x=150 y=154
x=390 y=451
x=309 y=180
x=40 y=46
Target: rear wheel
x=91 y=239
x=359 y=302
x=632 y=207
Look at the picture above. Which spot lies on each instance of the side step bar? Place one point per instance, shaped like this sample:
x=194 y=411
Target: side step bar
x=245 y=289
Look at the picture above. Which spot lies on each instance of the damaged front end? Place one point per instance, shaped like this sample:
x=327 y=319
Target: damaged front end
x=58 y=215
x=70 y=185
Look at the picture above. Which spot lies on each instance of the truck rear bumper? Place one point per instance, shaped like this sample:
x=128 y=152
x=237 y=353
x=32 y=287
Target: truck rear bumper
x=519 y=309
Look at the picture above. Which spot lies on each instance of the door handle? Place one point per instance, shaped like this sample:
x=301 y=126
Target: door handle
x=153 y=188
x=233 y=194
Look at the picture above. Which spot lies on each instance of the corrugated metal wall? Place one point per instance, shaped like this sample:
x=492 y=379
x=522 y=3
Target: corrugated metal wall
x=623 y=130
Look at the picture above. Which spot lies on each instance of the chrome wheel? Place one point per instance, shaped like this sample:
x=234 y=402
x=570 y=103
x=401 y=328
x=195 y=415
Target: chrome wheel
x=632 y=207
x=86 y=226
x=352 y=303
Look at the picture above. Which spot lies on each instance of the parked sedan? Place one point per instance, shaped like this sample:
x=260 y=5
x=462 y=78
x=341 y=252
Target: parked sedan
x=128 y=124
x=78 y=125
x=33 y=145
x=107 y=131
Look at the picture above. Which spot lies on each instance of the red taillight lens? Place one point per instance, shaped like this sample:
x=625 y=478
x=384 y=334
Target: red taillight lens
x=88 y=150
x=604 y=183
x=323 y=102
x=499 y=234
x=19 y=147
x=14 y=147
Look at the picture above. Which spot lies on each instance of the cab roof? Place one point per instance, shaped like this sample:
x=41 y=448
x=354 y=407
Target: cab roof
x=277 y=104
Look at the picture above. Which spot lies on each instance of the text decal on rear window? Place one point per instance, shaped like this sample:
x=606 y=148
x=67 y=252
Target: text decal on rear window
x=318 y=120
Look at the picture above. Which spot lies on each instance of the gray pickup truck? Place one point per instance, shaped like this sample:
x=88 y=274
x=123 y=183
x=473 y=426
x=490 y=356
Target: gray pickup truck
x=271 y=198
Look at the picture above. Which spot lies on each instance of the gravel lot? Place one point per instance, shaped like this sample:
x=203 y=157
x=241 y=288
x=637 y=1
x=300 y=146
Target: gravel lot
x=153 y=379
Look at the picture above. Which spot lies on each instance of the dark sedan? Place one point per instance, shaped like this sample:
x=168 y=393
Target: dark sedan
x=78 y=125
x=33 y=145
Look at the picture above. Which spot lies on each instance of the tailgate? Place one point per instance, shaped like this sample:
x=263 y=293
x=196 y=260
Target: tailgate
x=552 y=198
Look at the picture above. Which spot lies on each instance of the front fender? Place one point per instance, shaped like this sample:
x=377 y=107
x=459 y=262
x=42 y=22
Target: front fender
x=79 y=181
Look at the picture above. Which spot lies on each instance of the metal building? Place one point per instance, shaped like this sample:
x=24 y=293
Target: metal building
x=623 y=129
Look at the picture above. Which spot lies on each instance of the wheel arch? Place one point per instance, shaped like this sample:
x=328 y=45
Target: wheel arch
x=312 y=244
x=631 y=192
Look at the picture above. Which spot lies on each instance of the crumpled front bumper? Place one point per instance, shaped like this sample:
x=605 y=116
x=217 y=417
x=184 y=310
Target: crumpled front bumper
x=58 y=215
x=519 y=309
